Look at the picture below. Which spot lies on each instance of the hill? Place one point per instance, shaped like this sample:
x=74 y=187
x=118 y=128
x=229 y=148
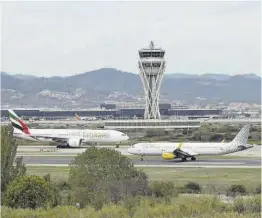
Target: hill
x=94 y=87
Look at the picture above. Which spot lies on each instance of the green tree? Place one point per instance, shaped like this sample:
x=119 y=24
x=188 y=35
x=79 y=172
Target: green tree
x=30 y=192
x=99 y=176
x=196 y=136
x=8 y=153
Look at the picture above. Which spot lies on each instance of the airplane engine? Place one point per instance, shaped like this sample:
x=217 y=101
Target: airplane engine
x=74 y=142
x=168 y=156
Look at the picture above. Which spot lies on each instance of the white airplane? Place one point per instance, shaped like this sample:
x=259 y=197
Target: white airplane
x=170 y=151
x=85 y=118
x=64 y=137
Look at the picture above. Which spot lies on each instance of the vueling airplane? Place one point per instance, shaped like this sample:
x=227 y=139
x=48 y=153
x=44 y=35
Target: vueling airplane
x=64 y=137
x=170 y=151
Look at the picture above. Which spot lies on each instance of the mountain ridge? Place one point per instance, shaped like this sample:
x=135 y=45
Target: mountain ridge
x=213 y=75
x=100 y=85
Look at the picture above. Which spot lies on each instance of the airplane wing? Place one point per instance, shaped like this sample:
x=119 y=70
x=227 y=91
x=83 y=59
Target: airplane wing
x=60 y=139
x=182 y=153
x=54 y=139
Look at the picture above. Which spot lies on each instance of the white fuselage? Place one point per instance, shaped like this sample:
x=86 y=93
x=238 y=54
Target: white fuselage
x=87 y=135
x=156 y=149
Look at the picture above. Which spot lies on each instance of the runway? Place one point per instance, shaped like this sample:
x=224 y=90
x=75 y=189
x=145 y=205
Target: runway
x=200 y=163
x=52 y=150
x=51 y=156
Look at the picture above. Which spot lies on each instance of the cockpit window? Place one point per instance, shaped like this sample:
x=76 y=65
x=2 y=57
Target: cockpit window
x=123 y=134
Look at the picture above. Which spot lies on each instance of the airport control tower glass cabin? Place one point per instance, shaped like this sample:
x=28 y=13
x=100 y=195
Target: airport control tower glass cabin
x=151 y=66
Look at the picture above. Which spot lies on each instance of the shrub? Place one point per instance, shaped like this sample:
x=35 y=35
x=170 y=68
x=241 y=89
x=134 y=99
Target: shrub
x=239 y=205
x=47 y=177
x=59 y=189
x=100 y=176
x=236 y=189
x=8 y=153
x=113 y=211
x=253 y=204
x=62 y=185
x=192 y=187
x=196 y=136
x=183 y=206
x=258 y=190
x=130 y=204
x=30 y=192
x=248 y=205
x=152 y=133
x=163 y=189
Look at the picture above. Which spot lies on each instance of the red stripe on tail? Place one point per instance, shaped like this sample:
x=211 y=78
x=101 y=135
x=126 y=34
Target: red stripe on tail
x=25 y=128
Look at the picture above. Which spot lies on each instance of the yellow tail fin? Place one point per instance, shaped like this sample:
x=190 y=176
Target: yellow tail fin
x=180 y=145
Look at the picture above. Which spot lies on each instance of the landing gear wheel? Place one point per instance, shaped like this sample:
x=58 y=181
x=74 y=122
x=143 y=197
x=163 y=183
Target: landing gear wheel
x=59 y=145
x=184 y=159
x=193 y=158
x=117 y=146
x=142 y=158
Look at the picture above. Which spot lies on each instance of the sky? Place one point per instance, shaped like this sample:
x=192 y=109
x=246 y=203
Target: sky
x=67 y=38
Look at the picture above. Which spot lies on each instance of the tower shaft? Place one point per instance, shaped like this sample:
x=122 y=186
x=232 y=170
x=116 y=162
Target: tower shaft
x=151 y=66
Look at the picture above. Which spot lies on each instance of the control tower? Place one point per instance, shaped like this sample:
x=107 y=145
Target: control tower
x=151 y=66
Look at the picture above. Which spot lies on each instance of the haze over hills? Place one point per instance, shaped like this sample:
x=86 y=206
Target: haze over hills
x=94 y=87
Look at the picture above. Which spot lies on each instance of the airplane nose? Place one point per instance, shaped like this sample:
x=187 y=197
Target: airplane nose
x=250 y=145
x=130 y=150
x=124 y=136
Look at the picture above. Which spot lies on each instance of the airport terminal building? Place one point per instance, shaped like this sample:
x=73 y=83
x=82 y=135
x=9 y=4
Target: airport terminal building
x=111 y=111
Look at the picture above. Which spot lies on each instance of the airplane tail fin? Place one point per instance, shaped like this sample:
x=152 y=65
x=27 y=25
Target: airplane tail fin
x=180 y=144
x=242 y=137
x=17 y=123
x=77 y=117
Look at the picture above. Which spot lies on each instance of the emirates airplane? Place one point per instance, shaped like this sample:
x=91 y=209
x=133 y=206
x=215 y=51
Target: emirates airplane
x=170 y=151
x=71 y=138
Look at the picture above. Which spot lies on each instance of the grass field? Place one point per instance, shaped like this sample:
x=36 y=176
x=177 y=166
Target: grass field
x=257 y=142
x=179 y=207
x=249 y=177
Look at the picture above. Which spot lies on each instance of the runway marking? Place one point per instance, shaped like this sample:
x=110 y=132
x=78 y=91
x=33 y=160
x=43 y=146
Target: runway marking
x=156 y=166
x=46 y=155
x=51 y=155
x=199 y=162
x=197 y=166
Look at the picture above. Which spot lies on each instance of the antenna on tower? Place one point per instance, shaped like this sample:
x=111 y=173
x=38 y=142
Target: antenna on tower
x=152 y=46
